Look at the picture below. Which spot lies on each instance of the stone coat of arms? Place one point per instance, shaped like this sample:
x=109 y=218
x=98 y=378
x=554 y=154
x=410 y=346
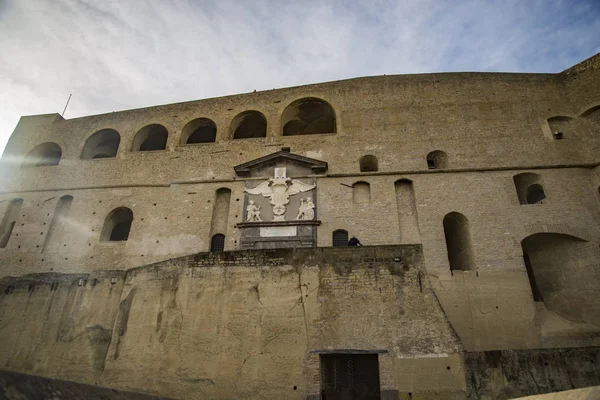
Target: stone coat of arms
x=279 y=189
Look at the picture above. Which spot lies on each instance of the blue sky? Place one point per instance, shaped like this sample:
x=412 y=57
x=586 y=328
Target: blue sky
x=120 y=54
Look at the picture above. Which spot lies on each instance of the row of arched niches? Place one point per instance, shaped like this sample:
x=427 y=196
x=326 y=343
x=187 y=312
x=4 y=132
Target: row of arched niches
x=302 y=117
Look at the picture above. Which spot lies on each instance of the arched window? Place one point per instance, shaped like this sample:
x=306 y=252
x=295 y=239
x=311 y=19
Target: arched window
x=368 y=164
x=200 y=130
x=529 y=188
x=560 y=127
x=249 y=124
x=117 y=225
x=43 y=155
x=9 y=221
x=217 y=243
x=150 y=138
x=458 y=242
x=339 y=238
x=308 y=116
x=361 y=193
x=437 y=160
x=102 y=144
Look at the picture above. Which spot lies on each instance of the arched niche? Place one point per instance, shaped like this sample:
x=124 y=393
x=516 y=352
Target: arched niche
x=248 y=125
x=308 y=116
x=437 y=159
x=117 y=225
x=529 y=188
x=150 y=138
x=43 y=155
x=361 y=193
x=458 y=242
x=560 y=127
x=102 y=144
x=199 y=130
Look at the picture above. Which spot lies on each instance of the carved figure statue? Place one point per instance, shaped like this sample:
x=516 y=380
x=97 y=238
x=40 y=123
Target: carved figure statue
x=307 y=210
x=253 y=212
x=279 y=189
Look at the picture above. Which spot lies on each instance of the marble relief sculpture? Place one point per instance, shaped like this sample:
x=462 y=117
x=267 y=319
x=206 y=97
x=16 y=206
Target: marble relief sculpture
x=253 y=212
x=307 y=210
x=279 y=189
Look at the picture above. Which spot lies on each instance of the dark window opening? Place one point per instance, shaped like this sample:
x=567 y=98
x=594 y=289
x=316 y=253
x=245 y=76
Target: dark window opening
x=154 y=143
x=120 y=232
x=437 y=160
x=217 y=243
x=369 y=164
x=458 y=242
x=340 y=238
x=529 y=188
x=102 y=144
x=151 y=138
x=200 y=130
x=249 y=124
x=350 y=377
x=308 y=116
x=535 y=194
x=117 y=225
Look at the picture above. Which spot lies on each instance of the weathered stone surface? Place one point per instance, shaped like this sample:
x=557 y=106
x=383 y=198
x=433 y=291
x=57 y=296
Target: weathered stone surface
x=232 y=324
x=238 y=324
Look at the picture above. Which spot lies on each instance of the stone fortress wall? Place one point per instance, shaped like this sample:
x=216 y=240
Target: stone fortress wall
x=495 y=139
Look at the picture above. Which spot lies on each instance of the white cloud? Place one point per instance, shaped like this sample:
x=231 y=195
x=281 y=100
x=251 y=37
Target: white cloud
x=115 y=55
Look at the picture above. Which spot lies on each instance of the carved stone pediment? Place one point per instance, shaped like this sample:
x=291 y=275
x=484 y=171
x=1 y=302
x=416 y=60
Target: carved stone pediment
x=280 y=202
x=263 y=166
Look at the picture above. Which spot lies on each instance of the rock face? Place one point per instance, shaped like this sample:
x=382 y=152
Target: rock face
x=249 y=324
x=255 y=324
x=475 y=196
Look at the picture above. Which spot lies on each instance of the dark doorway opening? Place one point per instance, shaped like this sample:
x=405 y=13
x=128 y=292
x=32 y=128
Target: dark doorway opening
x=217 y=243
x=350 y=377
